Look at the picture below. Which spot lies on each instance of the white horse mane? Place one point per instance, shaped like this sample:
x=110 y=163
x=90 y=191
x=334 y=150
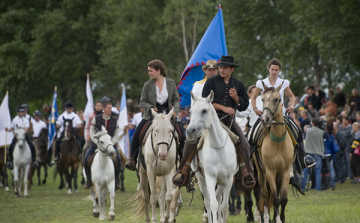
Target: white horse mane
x=103 y=131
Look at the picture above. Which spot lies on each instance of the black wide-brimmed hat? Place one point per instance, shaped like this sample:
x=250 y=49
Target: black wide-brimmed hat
x=227 y=61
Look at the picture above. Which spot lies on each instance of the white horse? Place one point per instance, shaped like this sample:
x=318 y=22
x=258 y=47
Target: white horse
x=102 y=175
x=159 y=152
x=217 y=158
x=22 y=161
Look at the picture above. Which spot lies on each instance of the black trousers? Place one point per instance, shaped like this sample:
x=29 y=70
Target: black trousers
x=29 y=142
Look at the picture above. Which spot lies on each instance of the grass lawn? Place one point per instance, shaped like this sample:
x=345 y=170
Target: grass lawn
x=48 y=204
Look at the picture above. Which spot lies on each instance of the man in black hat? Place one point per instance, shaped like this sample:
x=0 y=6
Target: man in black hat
x=77 y=124
x=229 y=94
x=111 y=124
x=20 y=121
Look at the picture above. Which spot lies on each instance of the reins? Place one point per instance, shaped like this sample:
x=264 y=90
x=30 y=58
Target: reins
x=161 y=143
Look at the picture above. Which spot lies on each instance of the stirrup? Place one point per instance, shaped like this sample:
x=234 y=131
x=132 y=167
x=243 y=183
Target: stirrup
x=9 y=165
x=309 y=163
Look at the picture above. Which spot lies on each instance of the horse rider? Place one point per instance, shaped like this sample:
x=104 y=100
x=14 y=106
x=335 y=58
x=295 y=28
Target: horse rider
x=97 y=111
x=28 y=117
x=229 y=94
x=111 y=124
x=160 y=94
x=76 y=122
x=38 y=125
x=274 y=67
x=20 y=121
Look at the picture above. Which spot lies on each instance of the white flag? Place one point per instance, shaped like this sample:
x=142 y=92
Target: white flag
x=89 y=108
x=5 y=122
x=123 y=121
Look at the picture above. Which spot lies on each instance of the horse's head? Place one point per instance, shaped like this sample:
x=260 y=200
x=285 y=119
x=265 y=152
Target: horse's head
x=20 y=135
x=272 y=104
x=104 y=142
x=68 y=128
x=201 y=115
x=163 y=133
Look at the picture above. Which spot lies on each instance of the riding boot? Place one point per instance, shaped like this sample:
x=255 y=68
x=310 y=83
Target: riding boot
x=131 y=163
x=49 y=159
x=306 y=161
x=33 y=151
x=117 y=180
x=184 y=167
x=9 y=164
x=57 y=151
x=88 y=183
x=244 y=178
x=296 y=182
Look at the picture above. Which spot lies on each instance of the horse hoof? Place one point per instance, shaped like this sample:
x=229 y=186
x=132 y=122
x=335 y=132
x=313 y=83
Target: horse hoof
x=27 y=195
x=111 y=217
x=76 y=191
x=7 y=189
x=44 y=182
x=96 y=214
x=69 y=192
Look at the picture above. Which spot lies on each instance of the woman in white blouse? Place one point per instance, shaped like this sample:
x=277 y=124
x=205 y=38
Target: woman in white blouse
x=274 y=67
x=160 y=94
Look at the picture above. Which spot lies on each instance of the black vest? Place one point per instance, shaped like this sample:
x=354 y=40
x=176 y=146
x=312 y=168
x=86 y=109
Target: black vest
x=99 y=121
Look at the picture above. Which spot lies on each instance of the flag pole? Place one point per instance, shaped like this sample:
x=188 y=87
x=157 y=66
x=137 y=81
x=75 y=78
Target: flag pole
x=127 y=130
x=7 y=92
x=53 y=145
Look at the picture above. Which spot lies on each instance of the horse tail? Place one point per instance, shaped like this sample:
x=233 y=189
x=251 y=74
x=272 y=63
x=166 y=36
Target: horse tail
x=137 y=206
x=270 y=201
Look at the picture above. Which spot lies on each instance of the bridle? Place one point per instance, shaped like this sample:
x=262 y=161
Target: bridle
x=102 y=149
x=162 y=143
x=273 y=114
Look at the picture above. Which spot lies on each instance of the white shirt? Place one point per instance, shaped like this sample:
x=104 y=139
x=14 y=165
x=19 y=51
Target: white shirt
x=37 y=126
x=249 y=112
x=197 y=89
x=277 y=84
x=162 y=97
x=136 y=119
x=17 y=121
x=60 y=121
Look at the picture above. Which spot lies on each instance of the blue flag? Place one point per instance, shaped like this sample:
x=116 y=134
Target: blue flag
x=53 y=118
x=211 y=47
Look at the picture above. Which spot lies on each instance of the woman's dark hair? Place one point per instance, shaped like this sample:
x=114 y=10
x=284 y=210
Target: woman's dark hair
x=329 y=128
x=274 y=62
x=158 y=65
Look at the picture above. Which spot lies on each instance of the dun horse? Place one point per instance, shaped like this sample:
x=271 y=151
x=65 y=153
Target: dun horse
x=276 y=154
x=159 y=152
x=22 y=161
x=41 y=144
x=216 y=159
x=69 y=157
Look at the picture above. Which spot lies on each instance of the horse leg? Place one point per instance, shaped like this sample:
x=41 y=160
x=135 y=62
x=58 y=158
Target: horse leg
x=238 y=202
x=101 y=200
x=283 y=196
x=122 y=178
x=38 y=175
x=75 y=176
x=7 y=189
x=225 y=205
x=95 y=203
x=25 y=175
x=169 y=194
x=162 y=196
x=46 y=174
x=174 y=203
x=272 y=180
x=111 y=188
x=214 y=205
x=154 y=195
x=68 y=180
x=232 y=200
x=205 y=194
x=249 y=204
x=16 y=180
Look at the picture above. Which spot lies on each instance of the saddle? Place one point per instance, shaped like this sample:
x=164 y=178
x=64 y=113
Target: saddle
x=144 y=133
x=91 y=159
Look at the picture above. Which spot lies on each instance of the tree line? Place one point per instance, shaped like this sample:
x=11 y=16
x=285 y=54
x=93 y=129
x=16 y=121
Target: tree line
x=57 y=42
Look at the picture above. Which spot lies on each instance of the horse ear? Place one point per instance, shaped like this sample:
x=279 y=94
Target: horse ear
x=193 y=96
x=210 y=97
x=265 y=87
x=154 y=113
x=170 y=114
x=103 y=129
x=278 y=88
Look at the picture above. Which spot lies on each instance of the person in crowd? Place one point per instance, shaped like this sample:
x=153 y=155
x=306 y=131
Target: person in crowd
x=340 y=99
x=229 y=94
x=111 y=124
x=312 y=96
x=274 y=67
x=294 y=116
x=329 y=144
x=355 y=153
x=210 y=69
x=298 y=106
x=20 y=121
x=97 y=111
x=330 y=108
x=249 y=112
x=354 y=104
x=305 y=119
x=331 y=94
x=304 y=97
x=136 y=119
x=160 y=94
x=344 y=139
x=28 y=117
x=315 y=147
x=76 y=122
x=358 y=116
x=313 y=113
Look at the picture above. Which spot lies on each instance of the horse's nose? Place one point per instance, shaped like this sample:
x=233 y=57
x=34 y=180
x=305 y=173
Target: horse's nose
x=162 y=155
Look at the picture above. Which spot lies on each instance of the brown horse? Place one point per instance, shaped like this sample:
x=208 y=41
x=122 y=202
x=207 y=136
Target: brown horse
x=3 y=173
x=42 y=155
x=69 y=157
x=276 y=155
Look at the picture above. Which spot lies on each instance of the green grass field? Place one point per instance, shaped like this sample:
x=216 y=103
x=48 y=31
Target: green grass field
x=48 y=204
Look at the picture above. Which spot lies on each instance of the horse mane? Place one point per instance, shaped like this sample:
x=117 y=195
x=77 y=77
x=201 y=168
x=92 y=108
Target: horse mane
x=272 y=89
x=155 y=121
x=44 y=132
x=101 y=133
